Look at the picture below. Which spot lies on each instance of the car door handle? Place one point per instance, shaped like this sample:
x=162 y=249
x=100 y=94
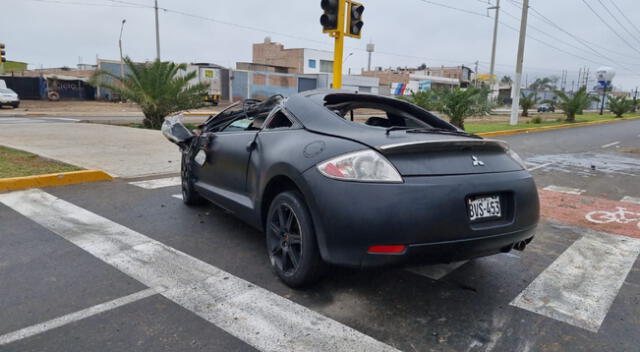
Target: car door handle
x=251 y=145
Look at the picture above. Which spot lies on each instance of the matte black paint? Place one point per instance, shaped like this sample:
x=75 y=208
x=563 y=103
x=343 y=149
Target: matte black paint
x=426 y=212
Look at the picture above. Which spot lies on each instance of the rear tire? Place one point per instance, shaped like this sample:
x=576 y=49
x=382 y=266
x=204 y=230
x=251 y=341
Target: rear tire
x=291 y=241
x=189 y=194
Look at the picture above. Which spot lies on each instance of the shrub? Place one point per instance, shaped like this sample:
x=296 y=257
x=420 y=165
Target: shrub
x=620 y=105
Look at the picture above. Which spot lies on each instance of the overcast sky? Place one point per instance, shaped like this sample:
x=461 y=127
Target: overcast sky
x=54 y=33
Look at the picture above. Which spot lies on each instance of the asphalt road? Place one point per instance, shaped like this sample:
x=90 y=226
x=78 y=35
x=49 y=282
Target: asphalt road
x=115 y=266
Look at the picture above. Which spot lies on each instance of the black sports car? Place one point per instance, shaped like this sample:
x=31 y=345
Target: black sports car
x=357 y=180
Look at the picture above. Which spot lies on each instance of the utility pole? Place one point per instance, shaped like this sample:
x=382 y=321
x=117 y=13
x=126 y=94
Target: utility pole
x=157 y=33
x=515 y=105
x=492 y=81
x=635 y=98
x=579 y=77
x=370 y=49
x=586 y=79
x=476 y=80
x=120 y=45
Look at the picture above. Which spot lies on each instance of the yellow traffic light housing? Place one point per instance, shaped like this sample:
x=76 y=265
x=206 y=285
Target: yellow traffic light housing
x=354 y=19
x=2 y=53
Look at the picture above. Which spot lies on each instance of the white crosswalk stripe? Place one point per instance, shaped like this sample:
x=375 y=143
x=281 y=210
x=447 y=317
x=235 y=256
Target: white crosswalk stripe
x=258 y=317
x=73 y=317
x=627 y=199
x=580 y=286
x=567 y=190
x=157 y=183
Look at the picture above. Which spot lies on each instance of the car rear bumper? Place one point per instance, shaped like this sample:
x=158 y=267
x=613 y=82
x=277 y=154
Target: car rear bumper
x=427 y=214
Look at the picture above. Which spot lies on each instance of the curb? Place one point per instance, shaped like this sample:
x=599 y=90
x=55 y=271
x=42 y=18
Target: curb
x=200 y=113
x=48 y=180
x=556 y=127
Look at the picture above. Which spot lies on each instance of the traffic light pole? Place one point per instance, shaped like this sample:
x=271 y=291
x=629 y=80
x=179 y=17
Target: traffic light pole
x=337 y=59
x=338 y=47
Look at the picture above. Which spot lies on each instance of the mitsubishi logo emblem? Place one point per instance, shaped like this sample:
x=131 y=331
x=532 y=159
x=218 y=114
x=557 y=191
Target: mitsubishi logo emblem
x=476 y=161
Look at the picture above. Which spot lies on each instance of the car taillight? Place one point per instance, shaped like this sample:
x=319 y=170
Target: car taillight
x=387 y=249
x=361 y=166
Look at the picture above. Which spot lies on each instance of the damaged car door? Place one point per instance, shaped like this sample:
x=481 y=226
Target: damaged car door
x=223 y=175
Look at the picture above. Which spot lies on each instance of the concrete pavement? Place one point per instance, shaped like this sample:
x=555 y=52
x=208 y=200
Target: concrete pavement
x=161 y=276
x=119 y=151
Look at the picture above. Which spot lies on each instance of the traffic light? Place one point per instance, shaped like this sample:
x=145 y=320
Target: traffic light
x=2 y=53
x=354 y=19
x=329 y=20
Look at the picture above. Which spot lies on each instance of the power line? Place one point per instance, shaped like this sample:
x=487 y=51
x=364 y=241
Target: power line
x=617 y=21
x=86 y=4
x=454 y=8
x=582 y=41
x=625 y=16
x=555 y=38
x=609 y=26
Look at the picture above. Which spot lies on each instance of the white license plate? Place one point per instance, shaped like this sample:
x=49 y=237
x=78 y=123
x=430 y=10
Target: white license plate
x=484 y=207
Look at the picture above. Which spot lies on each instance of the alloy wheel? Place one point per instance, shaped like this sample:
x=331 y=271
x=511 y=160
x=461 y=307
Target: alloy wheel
x=285 y=240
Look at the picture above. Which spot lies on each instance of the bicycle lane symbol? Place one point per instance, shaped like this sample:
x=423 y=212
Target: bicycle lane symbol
x=590 y=212
x=620 y=216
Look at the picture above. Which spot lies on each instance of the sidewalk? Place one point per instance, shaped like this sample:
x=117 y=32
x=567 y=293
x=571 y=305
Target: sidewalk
x=119 y=151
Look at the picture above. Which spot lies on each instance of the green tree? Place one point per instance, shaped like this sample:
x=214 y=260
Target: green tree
x=506 y=79
x=426 y=99
x=545 y=83
x=159 y=88
x=527 y=102
x=620 y=105
x=456 y=103
x=574 y=104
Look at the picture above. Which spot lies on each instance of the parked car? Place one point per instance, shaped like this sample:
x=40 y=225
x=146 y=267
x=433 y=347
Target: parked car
x=9 y=98
x=357 y=180
x=546 y=108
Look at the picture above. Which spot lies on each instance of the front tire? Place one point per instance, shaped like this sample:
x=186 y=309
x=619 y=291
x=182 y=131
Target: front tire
x=189 y=194
x=291 y=241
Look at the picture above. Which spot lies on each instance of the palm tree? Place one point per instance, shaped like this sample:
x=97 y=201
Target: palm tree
x=543 y=83
x=506 y=79
x=459 y=104
x=160 y=88
x=575 y=104
x=527 y=102
x=620 y=105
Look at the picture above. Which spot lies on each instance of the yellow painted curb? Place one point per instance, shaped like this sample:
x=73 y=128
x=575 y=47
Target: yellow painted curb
x=548 y=128
x=199 y=113
x=59 y=179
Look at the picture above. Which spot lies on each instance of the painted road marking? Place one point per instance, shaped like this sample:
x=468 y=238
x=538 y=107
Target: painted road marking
x=572 y=209
x=539 y=166
x=157 y=183
x=177 y=196
x=579 y=287
x=259 y=317
x=73 y=317
x=628 y=199
x=436 y=271
x=621 y=215
x=567 y=190
x=610 y=144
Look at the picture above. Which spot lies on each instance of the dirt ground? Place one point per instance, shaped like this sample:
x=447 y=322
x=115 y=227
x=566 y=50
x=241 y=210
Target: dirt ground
x=101 y=108
x=82 y=108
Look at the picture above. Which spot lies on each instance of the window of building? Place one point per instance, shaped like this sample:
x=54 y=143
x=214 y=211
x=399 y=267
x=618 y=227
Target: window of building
x=312 y=63
x=326 y=66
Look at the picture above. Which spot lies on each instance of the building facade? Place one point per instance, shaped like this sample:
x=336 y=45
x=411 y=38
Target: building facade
x=297 y=60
